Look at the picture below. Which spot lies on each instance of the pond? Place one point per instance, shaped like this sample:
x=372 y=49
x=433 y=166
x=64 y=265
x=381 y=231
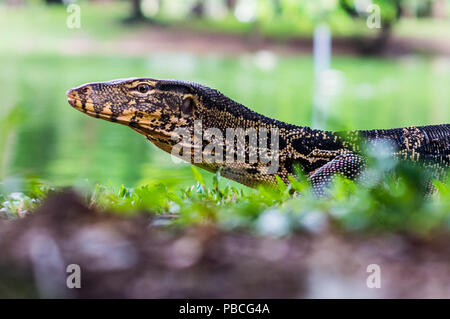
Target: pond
x=52 y=141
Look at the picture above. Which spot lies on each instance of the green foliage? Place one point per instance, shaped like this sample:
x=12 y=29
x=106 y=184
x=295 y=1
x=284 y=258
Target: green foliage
x=19 y=197
x=388 y=9
x=392 y=202
x=151 y=198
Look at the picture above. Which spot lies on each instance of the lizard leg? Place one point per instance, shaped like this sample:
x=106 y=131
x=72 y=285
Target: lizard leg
x=348 y=165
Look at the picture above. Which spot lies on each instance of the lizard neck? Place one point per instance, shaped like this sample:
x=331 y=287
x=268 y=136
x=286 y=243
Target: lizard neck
x=219 y=111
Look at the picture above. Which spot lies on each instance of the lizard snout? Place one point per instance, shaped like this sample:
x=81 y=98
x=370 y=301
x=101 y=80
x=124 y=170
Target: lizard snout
x=80 y=98
x=71 y=97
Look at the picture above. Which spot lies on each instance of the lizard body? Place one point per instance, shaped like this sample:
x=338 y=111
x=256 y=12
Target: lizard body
x=161 y=109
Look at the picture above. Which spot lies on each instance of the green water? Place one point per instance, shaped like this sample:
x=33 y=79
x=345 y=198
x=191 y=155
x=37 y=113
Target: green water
x=63 y=146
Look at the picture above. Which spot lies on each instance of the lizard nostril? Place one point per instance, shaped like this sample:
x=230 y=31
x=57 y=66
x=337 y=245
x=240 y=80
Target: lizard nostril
x=69 y=92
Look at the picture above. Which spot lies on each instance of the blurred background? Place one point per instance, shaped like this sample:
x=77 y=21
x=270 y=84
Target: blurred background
x=326 y=63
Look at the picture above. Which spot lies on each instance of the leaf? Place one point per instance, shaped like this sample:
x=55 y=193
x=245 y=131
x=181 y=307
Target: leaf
x=296 y=185
x=123 y=192
x=442 y=188
x=281 y=185
x=216 y=180
x=198 y=176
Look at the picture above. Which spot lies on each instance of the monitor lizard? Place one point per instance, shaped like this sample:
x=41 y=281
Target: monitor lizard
x=158 y=109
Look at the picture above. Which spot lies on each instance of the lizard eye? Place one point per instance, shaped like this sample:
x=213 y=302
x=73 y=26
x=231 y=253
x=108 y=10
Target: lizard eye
x=143 y=88
x=187 y=106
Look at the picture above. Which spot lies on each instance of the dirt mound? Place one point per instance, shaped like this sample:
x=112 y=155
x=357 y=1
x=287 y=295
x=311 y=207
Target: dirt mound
x=127 y=257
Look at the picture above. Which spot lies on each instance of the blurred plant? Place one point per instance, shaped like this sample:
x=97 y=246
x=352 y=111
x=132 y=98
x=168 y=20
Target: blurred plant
x=9 y=120
x=392 y=202
x=26 y=196
x=390 y=12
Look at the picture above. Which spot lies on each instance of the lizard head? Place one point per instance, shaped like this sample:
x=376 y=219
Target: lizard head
x=152 y=107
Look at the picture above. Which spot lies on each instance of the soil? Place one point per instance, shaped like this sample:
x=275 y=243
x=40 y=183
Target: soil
x=130 y=257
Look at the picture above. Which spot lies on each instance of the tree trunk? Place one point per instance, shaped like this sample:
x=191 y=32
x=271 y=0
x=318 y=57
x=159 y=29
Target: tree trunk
x=198 y=10
x=53 y=1
x=136 y=12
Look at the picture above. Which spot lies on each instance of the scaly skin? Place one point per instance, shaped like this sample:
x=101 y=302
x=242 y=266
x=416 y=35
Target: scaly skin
x=156 y=108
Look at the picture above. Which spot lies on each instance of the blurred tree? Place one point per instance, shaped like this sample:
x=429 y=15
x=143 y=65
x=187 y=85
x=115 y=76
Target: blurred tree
x=54 y=1
x=137 y=14
x=389 y=12
x=425 y=8
x=277 y=7
x=230 y=4
x=198 y=9
x=136 y=11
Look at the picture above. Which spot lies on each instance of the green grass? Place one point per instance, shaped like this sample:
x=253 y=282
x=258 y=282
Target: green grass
x=384 y=204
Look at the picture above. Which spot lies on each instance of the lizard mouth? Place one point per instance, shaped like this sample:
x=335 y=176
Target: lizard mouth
x=72 y=101
x=90 y=109
x=75 y=101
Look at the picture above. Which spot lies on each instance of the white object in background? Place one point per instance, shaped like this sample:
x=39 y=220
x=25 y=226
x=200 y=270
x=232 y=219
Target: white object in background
x=322 y=58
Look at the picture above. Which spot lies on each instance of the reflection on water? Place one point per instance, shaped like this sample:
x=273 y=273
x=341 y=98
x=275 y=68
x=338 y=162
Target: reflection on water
x=63 y=146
